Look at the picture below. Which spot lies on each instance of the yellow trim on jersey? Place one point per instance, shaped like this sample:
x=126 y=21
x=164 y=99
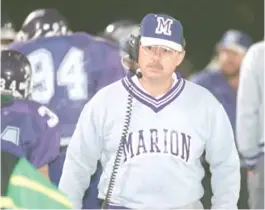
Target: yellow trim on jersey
x=7 y=203
x=33 y=185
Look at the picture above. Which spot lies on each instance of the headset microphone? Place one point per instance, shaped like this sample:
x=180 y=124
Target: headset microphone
x=139 y=74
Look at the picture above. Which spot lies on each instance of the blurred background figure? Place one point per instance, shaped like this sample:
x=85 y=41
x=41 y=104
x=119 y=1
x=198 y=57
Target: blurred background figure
x=222 y=81
x=250 y=122
x=62 y=75
x=213 y=65
x=8 y=31
x=68 y=69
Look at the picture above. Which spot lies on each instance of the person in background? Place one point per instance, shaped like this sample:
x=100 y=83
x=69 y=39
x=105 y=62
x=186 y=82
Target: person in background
x=223 y=84
x=250 y=122
x=8 y=31
x=31 y=126
x=69 y=68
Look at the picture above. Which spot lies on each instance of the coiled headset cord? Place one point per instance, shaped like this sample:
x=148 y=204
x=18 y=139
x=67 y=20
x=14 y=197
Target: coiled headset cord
x=119 y=153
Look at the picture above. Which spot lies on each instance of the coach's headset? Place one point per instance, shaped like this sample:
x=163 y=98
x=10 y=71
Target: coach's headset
x=134 y=44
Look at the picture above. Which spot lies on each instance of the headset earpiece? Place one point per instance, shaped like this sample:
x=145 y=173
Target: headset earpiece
x=134 y=44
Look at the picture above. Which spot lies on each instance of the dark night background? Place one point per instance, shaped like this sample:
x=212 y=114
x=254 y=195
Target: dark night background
x=204 y=21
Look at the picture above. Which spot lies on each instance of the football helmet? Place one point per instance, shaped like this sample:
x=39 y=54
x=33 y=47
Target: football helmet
x=43 y=22
x=119 y=32
x=15 y=74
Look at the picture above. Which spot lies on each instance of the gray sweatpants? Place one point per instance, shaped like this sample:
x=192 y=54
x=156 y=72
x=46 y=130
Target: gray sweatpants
x=256 y=186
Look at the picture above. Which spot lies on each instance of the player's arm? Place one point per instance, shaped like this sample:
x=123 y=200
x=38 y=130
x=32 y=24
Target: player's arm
x=221 y=154
x=248 y=102
x=47 y=147
x=82 y=156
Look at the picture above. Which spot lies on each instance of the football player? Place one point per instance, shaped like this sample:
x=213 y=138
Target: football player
x=68 y=69
x=27 y=124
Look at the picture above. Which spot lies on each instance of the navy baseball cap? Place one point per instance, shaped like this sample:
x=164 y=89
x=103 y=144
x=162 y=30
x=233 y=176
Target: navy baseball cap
x=235 y=40
x=161 y=30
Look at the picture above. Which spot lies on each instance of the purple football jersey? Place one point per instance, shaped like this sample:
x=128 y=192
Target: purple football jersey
x=32 y=127
x=67 y=72
x=106 y=60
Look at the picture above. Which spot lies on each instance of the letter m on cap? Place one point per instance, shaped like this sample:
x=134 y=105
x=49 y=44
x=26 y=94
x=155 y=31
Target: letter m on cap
x=163 y=26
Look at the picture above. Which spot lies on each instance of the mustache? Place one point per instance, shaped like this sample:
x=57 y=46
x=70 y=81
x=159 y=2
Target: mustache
x=155 y=65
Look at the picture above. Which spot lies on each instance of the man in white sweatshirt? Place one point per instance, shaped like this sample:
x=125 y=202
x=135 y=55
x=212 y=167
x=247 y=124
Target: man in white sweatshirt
x=250 y=122
x=169 y=123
